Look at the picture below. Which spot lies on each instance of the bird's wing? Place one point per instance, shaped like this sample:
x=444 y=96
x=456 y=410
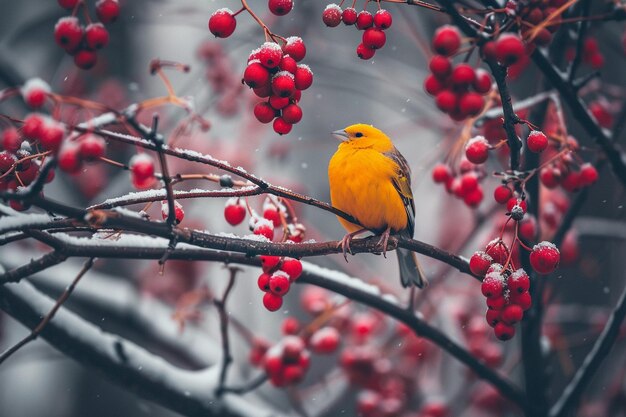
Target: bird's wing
x=402 y=183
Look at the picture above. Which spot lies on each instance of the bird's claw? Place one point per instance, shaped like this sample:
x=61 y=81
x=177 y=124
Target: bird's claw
x=345 y=243
x=384 y=240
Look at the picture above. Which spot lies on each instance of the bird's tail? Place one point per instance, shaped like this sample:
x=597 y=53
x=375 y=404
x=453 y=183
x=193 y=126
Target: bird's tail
x=410 y=270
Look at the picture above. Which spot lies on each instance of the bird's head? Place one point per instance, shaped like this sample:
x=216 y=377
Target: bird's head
x=364 y=136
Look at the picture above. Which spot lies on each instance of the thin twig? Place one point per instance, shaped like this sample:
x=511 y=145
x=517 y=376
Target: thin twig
x=37 y=330
x=220 y=304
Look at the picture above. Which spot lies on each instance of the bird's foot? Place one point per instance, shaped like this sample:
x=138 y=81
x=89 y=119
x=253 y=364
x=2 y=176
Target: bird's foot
x=345 y=242
x=384 y=239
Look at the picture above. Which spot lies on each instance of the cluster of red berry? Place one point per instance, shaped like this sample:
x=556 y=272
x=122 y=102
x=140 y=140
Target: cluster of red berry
x=534 y=14
x=591 y=54
x=287 y=362
x=372 y=25
x=278 y=275
x=275 y=74
x=568 y=172
x=465 y=186
x=274 y=215
x=82 y=41
x=458 y=89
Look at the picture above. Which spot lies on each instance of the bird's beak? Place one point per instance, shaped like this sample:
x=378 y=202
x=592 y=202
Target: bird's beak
x=340 y=135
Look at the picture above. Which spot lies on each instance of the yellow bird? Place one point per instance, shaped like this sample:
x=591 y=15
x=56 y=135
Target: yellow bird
x=370 y=180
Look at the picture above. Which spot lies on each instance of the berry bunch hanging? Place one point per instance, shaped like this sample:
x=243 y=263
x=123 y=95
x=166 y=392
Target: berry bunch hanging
x=278 y=275
x=273 y=71
x=372 y=25
x=465 y=185
x=83 y=40
x=459 y=89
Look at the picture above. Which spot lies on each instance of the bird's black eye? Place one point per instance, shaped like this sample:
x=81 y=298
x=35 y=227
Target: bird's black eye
x=358 y=134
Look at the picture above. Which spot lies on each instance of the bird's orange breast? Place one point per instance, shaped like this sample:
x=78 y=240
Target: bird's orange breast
x=361 y=184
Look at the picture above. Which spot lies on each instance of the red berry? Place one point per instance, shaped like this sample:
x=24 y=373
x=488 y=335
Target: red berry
x=142 y=167
x=509 y=49
x=278 y=102
x=496 y=303
x=596 y=61
x=374 y=38
x=222 y=23
x=493 y=285
x=528 y=228
x=364 y=20
x=272 y=302
x=474 y=197
x=545 y=257
x=51 y=135
x=571 y=182
x=498 y=251
x=280 y=7
x=588 y=174
x=303 y=77
x=293 y=268
x=290 y=326
x=447 y=40
x=469 y=182
x=442 y=173
x=264 y=112
x=364 y=52
x=295 y=48
x=550 y=177
x=502 y=194
x=107 y=10
x=179 y=213
x=256 y=75
x=292 y=113
x=96 y=36
x=283 y=84
x=264 y=282
x=471 y=104
x=440 y=66
x=325 y=340
x=271 y=213
x=6 y=161
x=601 y=114
x=431 y=84
x=288 y=64
x=512 y=314
x=524 y=300
x=69 y=159
x=504 y=331
x=235 y=211
x=514 y=201
x=35 y=91
x=479 y=263
x=518 y=281
x=270 y=54
x=91 y=147
x=11 y=140
x=263 y=91
x=332 y=15
x=537 y=141
x=382 y=19
x=463 y=75
x=446 y=101
x=85 y=59
x=281 y=126
x=348 y=16
x=264 y=227
x=279 y=283
x=269 y=262
x=33 y=126
x=482 y=82
x=68 y=4
x=492 y=317
x=68 y=32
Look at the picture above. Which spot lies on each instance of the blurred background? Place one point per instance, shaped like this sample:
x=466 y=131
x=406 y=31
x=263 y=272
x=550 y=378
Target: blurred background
x=130 y=297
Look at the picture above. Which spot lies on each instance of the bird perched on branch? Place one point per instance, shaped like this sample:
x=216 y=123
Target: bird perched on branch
x=370 y=180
